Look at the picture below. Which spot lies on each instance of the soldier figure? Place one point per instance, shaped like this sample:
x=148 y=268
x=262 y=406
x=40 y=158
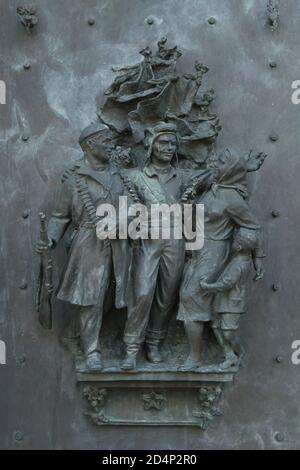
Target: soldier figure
x=157 y=264
x=91 y=261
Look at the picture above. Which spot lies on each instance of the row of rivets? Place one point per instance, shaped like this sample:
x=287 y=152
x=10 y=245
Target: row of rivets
x=273 y=22
x=19 y=436
x=276 y=287
x=150 y=20
x=28 y=17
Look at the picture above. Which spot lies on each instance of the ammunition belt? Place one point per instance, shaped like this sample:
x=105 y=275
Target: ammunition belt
x=86 y=199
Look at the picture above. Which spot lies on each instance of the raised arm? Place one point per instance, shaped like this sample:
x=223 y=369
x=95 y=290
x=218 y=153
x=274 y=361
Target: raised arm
x=226 y=281
x=196 y=181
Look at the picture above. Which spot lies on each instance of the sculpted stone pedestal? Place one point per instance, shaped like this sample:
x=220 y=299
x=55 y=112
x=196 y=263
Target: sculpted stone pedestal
x=153 y=394
x=173 y=398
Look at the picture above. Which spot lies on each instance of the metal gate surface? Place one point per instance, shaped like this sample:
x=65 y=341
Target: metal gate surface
x=55 y=77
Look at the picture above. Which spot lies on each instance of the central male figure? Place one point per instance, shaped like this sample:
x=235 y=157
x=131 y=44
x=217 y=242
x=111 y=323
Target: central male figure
x=157 y=264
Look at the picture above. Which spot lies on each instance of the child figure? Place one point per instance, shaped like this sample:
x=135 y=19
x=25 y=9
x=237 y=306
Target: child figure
x=230 y=289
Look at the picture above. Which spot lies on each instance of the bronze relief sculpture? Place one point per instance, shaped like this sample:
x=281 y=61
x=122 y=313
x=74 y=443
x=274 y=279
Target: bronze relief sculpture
x=225 y=211
x=86 y=277
x=158 y=265
x=155 y=143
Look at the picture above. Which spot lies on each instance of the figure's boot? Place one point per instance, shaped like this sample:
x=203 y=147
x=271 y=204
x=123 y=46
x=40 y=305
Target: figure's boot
x=93 y=361
x=129 y=362
x=231 y=360
x=152 y=351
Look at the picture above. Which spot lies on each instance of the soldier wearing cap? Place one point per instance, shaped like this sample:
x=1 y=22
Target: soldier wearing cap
x=91 y=261
x=157 y=264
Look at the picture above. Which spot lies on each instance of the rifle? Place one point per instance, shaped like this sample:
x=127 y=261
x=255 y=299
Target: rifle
x=45 y=286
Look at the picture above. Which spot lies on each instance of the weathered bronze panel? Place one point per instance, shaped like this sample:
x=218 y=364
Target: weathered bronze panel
x=66 y=64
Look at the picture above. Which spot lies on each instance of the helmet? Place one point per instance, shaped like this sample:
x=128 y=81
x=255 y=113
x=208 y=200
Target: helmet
x=92 y=129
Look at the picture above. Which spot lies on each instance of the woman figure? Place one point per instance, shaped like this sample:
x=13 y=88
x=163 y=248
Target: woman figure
x=225 y=209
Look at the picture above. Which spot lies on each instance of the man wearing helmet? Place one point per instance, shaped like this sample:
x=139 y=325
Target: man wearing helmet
x=157 y=265
x=91 y=261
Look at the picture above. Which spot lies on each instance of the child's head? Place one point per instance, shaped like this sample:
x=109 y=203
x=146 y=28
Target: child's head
x=245 y=241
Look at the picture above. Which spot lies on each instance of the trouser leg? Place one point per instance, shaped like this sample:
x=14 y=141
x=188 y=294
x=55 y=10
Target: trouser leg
x=230 y=336
x=146 y=264
x=225 y=327
x=226 y=339
x=223 y=339
x=90 y=320
x=166 y=292
x=231 y=356
x=91 y=316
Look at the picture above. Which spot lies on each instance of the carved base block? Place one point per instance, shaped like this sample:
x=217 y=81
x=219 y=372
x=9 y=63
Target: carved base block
x=153 y=399
x=153 y=394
